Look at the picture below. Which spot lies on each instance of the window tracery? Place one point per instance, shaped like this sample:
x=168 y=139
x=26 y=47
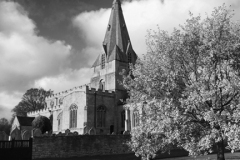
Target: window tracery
x=103 y=61
x=73 y=116
x=101 y=116
x=59 y=119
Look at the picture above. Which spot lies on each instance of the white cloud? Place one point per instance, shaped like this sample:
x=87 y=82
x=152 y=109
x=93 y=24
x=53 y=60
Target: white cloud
x=9 y=101
x=25 y=56
x=29 y=60
x=142 y=15
x=66 y=80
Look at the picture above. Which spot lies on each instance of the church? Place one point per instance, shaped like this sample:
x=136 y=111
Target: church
x=97 y=107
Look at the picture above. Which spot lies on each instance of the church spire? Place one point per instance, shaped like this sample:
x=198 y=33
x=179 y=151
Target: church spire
x=117 y=43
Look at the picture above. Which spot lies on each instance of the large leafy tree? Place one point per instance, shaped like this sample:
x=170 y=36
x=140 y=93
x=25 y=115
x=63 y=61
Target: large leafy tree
x=189 y=82
x=42 y=123
x=32 y=100
x=5 y=125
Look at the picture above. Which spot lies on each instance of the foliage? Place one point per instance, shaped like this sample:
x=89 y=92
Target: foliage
x=32 y=100
x=191 y=85
x=5 y=126
x=42 y=123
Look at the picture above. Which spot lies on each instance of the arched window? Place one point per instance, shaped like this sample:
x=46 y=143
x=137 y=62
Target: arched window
x=103 y=61
x=101 y=115
x=135 y=118
x=102 y=85
x=59 y=119
x=123 y=118
x=73 y=116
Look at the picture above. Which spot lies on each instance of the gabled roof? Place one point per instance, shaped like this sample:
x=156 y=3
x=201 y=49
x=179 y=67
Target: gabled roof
x=25 y=121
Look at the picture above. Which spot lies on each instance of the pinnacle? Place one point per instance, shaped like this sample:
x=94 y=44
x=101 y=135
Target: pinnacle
x=116 y=1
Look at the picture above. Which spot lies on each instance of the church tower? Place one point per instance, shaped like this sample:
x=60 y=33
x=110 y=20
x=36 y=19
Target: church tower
x=117 y=54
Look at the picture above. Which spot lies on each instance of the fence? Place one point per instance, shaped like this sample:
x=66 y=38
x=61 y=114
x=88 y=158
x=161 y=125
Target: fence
x=16 y=149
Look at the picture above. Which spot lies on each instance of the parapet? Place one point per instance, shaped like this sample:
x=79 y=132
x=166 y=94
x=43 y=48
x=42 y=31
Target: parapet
x=99 y=91
x=63 y=93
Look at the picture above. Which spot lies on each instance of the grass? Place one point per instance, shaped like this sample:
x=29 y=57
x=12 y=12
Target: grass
x=228 y=156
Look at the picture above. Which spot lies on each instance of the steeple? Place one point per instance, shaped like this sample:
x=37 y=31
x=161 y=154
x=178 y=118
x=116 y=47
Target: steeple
x=117 y=54
x=116 y=39
x=117 y=44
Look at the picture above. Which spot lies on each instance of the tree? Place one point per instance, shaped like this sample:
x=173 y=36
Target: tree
x=32 y=100
x=189 y=82
x=42 y=123
x=5 y=125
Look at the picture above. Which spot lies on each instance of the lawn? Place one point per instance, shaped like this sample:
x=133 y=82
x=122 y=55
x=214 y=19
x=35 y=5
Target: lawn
x=228 y=156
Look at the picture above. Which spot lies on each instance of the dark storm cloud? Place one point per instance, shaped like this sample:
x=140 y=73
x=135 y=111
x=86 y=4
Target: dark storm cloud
x=53 y=20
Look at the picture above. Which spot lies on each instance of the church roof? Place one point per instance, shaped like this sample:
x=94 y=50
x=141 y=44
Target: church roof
x=25 y=121
x=117 y=43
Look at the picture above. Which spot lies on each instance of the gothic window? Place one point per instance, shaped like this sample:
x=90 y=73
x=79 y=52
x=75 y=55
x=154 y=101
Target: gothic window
x=123 y=118
x=109 y=27
x=135 y=118
x=102 y=85
x=103 y=61
x=59 y=119
x=101 y=115
x=73 y=116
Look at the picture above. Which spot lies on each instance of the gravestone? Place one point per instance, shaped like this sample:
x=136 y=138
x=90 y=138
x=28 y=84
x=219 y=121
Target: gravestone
x=16 y=134
x=67 y=131
x=85 y=130
x=3 y=136
x=75 y=133
x=26 y=135
x=37 y=133
x=45 y=134
x=59 y=134
x=70 y=134
x=92 y=131
x=126 y=132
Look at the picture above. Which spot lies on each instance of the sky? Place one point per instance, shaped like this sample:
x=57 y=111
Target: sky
x=53 y=43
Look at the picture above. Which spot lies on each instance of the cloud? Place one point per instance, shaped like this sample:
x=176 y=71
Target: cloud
x=25 y=56
x=143 y=15
x=9 y=101
x=68 y=79
x=92 y=26
x=29 y=60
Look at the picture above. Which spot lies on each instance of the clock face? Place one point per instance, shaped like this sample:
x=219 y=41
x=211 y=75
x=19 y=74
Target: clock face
x=51 y=103
x=61 y=101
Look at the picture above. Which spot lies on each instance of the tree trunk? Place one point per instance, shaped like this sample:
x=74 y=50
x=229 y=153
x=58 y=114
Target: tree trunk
x=220 y=150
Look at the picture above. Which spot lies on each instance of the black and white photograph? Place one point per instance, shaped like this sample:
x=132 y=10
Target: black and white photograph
x=120 y=79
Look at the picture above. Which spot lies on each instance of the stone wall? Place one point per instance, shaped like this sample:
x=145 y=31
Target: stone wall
x=78 y=146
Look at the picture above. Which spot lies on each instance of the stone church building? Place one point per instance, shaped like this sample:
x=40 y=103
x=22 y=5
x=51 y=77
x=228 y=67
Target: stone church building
x=97 y=107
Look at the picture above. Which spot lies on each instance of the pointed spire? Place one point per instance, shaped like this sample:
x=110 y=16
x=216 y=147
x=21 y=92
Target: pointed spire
x=116 y=34
x=116 y=1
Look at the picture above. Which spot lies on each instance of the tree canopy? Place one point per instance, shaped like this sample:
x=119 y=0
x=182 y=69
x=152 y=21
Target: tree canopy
x=189 y=81
x=42 y=123
x=5 y=125
x=32 y=100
